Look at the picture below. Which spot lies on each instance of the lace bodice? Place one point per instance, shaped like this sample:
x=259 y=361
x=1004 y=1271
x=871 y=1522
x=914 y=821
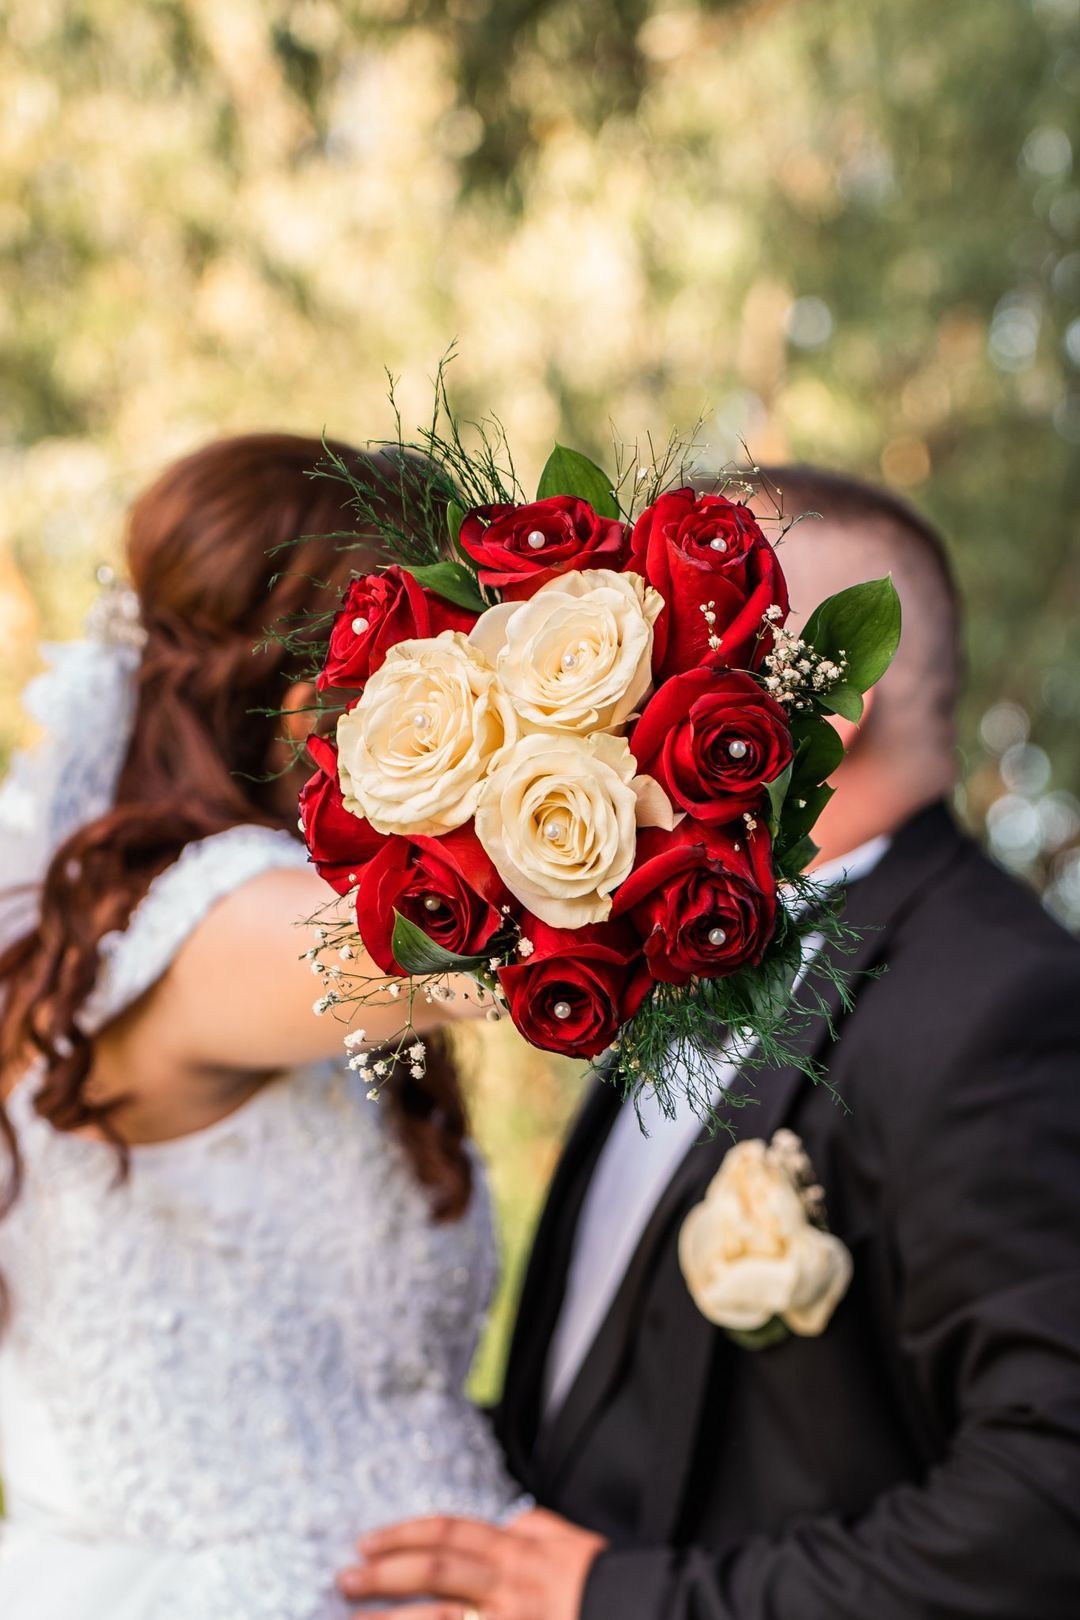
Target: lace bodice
x=135 y=958
x=253 y=1348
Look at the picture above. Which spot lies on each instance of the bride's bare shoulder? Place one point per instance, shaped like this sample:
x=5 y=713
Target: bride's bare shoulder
x=240 y=991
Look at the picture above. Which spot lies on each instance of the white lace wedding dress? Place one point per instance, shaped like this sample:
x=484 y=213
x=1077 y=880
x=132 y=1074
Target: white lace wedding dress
x=219 y=1372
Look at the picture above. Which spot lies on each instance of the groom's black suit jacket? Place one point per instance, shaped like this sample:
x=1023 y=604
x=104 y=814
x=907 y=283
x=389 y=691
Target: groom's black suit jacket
x=921 y=1459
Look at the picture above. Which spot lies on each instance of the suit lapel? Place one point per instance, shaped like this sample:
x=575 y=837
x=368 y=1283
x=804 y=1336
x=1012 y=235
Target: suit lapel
x=602 y=1365
x=875 y=906
x=692 y=1337
x=542 y=1292
x=694 y=1341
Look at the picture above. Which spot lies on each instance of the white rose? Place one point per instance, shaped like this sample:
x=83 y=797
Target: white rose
x=559 y=819
x=414 y=751
x=578 y=655
x=749 y=1252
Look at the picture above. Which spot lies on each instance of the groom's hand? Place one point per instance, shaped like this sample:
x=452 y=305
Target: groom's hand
x=536 y=1570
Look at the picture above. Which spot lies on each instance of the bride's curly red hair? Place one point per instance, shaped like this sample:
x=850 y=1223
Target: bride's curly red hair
x=204 y=556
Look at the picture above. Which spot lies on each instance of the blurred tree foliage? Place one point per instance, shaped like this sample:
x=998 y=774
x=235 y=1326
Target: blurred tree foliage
x=850 y=233
x=844 y=232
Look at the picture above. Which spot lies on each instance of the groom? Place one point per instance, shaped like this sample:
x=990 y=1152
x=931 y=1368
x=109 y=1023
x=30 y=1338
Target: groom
x=920 y=1459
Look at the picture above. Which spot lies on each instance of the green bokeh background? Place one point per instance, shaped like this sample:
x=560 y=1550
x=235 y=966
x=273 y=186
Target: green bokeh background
x=833 y=230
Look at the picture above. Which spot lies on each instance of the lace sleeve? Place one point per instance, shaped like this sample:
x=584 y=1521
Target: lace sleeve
x=177 y=901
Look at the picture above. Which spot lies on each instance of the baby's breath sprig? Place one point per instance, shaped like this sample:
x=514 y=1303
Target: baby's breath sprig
x=336 y=956
x=708 y=610
x=795 y=672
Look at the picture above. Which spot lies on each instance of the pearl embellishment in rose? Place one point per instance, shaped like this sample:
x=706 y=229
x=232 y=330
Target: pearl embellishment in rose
x=737 y=749
x=536 y=540
x=557 y=825
x=577 y=656
x=416 y=748
x=432 y=902
x=359 y=625
x=717 y=936
x=562 y=1009
x=559 y=816
x=718 y=544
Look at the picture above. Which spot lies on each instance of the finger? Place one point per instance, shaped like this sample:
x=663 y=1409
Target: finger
x=539 y=1525
x=420 y=1574
x=472 y=1536
x=414 y=1611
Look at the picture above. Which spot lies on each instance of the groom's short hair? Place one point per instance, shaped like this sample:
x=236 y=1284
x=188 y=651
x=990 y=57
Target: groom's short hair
x=860 y=532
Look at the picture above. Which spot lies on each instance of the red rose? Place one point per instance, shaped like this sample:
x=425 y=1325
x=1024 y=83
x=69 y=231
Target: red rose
x=339 y=843
x=378 y=611
x=576 y=990
x=712 y=739
x=520 y=548
x=446 y=886
x=704 y=901
x=698 y=549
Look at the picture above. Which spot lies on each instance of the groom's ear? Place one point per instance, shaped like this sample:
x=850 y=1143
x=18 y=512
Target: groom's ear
x=298 y=713
x=848 y=730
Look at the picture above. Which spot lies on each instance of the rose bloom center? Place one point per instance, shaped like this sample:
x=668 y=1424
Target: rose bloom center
x=571 y=653
x=726 y=749
x=573 y=830
x=421 y=721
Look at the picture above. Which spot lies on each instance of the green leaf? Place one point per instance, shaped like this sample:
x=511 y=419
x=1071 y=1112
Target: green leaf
x=416 y=954
x=801 y=811
x=795 y=860
x=763 y=1338
x=860 y=625
x=844 y=700
x=568 y=472
x=455 y=517
x=452 y=581
x=818 y=750
x=777 y=791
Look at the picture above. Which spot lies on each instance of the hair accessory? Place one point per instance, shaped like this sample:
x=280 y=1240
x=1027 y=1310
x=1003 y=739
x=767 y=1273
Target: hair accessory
x=84 y=704
x=114 y=617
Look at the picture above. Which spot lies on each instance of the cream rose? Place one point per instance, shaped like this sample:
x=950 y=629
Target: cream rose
x=559 y=819
x=414 y=751
x=577 y=656
x=749 y=1252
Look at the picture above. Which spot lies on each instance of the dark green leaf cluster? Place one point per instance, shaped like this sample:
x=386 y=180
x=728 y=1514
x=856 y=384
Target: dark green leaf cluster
x=860 y=628
x=757 y=1015
x=859 y=631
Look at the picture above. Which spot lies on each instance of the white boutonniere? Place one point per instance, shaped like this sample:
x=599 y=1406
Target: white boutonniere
x=756 y=1253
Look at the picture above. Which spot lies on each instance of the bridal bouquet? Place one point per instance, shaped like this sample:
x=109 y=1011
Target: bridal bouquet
x=577 y=755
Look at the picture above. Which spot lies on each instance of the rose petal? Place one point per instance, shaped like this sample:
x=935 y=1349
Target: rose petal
x=826 y=1270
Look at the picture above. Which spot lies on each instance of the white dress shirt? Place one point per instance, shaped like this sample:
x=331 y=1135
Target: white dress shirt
x=630 y=1178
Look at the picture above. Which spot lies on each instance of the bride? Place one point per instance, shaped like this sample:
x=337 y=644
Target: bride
x=240 y=1300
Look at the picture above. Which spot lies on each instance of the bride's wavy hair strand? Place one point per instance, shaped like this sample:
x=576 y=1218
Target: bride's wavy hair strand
x=230 y=543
